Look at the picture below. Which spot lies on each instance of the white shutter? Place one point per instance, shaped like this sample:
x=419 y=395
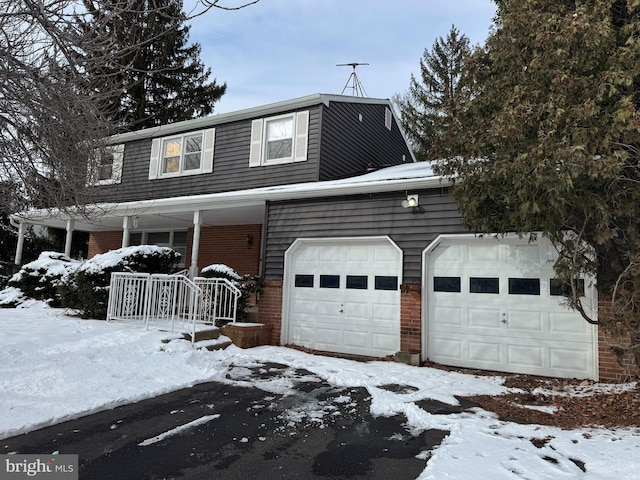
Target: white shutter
x=92 y=168
x=302 y=134
x=207 y=150
x=255 y=152
x=118 y=161
x=154 y=161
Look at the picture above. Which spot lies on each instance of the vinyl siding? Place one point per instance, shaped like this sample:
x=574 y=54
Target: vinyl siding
x=363 y=215
x=231 y=169
x=350 y=146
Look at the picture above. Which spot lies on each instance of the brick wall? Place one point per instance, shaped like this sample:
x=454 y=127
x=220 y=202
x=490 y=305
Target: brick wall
x=410 y=318
x=224 y=244
x=612 y=367
x=270 y=308
x=228 y=245
x=100 y=242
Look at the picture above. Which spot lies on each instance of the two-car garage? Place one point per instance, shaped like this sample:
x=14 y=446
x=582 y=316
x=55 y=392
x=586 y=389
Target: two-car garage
x=487 y=303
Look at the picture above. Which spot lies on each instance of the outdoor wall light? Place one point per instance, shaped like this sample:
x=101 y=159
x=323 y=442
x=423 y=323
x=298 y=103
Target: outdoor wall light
x=410 y=202
x=249 y=241
x=136 y=222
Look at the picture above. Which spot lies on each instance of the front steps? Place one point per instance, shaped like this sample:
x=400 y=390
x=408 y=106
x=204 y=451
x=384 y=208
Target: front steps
x=209 y=338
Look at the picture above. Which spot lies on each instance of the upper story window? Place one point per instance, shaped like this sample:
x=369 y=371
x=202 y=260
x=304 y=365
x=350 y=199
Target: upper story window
x=178 y=155
x=280 y=139
x=106 y=166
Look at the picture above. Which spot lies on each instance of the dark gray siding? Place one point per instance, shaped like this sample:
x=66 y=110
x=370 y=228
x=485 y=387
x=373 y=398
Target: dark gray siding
x=230 y=167
x=362 y=215
x=350 y=146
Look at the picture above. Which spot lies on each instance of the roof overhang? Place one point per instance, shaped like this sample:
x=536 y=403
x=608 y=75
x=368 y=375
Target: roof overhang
x=227 y=208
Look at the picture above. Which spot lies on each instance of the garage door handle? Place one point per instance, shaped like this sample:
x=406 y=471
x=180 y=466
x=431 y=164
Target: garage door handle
x=504 y=320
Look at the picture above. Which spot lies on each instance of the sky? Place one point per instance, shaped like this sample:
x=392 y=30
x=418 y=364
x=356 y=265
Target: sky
x=48 y=365
x=281 y=49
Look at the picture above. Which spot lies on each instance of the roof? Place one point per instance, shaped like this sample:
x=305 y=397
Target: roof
x=246 y=114
x=241 y=206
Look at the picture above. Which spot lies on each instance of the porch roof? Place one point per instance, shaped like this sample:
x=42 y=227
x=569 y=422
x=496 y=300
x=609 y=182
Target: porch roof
x=236 y=207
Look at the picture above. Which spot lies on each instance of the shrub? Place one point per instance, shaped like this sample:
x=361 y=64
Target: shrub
x=250 y=286
x=87 y=289
x=41 y=279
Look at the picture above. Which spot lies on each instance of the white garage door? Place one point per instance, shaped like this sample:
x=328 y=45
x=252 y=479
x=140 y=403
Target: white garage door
x=343 y=295
x=494 y=305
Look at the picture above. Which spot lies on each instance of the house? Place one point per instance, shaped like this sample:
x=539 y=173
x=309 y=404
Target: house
x=362 y=249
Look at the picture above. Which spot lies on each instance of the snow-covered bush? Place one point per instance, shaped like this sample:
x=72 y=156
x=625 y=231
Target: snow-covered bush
x=250 y=286
x=87 y=288
x=39 y=280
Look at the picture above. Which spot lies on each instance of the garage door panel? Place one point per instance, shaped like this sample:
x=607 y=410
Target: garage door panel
x=525 y=256
x=519 y=327
x=564 y=323
x=381 y=341
x=447 y=349
x=525 y=322
x=566 y=358
x=484 y=318
x=485 y=351
x=447 y=317
x=356 y=339
x=484 y=254
x=525 y=356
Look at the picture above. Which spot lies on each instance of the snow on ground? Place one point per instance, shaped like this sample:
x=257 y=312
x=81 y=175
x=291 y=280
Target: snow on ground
x=55 y=367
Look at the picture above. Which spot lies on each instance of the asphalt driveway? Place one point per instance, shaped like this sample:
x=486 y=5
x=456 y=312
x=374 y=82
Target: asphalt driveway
x=219 y=430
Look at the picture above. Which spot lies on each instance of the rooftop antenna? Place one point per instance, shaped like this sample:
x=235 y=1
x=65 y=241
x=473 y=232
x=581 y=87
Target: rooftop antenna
x=353 y=82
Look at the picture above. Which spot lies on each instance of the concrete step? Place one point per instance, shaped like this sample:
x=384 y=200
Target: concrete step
x=211 y=345
x=208 y=333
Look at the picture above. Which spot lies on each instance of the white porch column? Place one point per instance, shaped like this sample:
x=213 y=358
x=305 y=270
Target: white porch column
x=126 y=235
x=20 y=246
x=69 y=236
x=195 y=246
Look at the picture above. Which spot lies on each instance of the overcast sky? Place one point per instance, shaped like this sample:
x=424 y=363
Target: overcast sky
x=281 y=49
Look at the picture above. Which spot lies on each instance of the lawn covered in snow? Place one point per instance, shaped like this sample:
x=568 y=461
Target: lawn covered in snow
x=55 y=367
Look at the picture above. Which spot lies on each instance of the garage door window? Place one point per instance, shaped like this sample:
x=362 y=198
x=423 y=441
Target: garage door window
x=384 y=282
x=484 y=285
x=329 y=281
x=357 y=282
x=559 y=289
x=524 y=286
x=304 y=281
x=446 y=284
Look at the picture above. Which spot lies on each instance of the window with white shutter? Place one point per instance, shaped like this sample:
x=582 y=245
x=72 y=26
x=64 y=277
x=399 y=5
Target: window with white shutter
x=105 y=166
x=280 y=139
x=180 y=155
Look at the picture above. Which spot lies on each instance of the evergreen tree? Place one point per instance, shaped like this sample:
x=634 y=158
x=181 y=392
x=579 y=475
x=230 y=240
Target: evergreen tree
x=160 y=78
x=433 y=107
x=556 y=126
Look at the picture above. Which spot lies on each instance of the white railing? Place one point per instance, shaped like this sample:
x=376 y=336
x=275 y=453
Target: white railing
x=171 y=300
x=219 y=300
